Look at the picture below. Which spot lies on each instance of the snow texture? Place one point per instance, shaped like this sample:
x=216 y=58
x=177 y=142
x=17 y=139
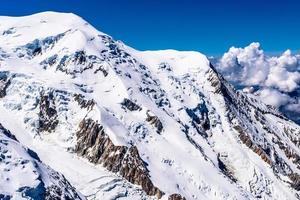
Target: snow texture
x=197 y=136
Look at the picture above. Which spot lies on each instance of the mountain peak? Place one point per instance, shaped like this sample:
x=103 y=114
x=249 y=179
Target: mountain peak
x=18 y=30
x=119 y=122
x=43 y=17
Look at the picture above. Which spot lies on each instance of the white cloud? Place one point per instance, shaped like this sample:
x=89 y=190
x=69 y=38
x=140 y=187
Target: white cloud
x=273 y=97
x=276 y=77
x=282 y=79
x=250 y=66
x=294 y=107
x=247 y=65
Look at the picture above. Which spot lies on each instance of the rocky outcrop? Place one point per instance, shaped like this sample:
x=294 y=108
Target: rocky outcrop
x=94 y=144
x=214 y=80
x=84 y=103
x=154 y=121
x=289 y=152
x=7 y=133
x=83 y=63
x=61 y=190
x=293 y=135
x=38 y=46
x=295 y=178
x=135 y=171
x=279 y=165
x=176 y=197
x=224 y=168
x=250 y=144
x=199 y=116
x=47 y=114
x=5 y=197
x=128 y=104
x=4 y=83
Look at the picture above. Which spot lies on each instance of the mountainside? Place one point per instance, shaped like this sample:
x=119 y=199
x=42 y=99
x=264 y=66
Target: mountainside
x=123 y=123
x=24 y=176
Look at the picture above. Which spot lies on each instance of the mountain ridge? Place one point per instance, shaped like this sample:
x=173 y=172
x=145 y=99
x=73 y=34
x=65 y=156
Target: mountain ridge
x=165 y=121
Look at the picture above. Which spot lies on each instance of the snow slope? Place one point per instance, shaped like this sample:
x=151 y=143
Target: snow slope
x=23 y=176
x=119 y=122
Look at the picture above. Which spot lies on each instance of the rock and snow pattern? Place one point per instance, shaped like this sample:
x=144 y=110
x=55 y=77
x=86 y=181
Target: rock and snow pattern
x=23 y=176
x=119 y=123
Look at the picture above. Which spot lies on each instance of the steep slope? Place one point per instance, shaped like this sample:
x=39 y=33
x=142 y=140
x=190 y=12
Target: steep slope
x=23 y=176
x=163 y=123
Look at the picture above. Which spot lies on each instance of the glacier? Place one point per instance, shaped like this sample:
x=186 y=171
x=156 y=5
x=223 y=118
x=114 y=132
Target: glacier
x=120 y=123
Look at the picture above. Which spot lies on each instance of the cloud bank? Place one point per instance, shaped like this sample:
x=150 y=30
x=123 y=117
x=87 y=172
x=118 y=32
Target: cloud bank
x=275 y=79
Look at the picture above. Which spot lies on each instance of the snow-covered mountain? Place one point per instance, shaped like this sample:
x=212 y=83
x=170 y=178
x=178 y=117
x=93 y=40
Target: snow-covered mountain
x=24 y=176
x=123 y=123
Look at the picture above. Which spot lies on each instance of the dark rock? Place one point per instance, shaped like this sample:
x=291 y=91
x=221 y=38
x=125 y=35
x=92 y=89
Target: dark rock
x=61 y=189
x=83 y=61
x=47 y=114
x=49 y=61
x=295 y=178
x=33 y=154
x=38 y=46
x=199 y=116
x=126 y=103
x=176 y=197
x=79 y=58
x=37 y=193
x=154 y=120
x=215 y=81
x=5 y=197
x=225 y=169
x=4 y=83
x=9 y=31
x=7 y=133
x=55 y=192
x=94 y=144
x=254 y=147
x=88 y=104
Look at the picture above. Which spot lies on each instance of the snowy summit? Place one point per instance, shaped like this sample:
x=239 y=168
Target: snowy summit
x=84 y=116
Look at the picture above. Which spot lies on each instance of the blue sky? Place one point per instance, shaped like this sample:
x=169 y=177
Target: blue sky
x=207 y=26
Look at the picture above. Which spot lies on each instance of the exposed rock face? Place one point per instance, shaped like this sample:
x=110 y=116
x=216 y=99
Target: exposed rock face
x=7 y=133
x=5 y=197
x=88 y=104
x=217 y=82
x=130 y=105
x=239 y=104
x=135 y=171
x=276 y=162
x=199 y=116
x=176 y=197
x=225 y=170
x=256 y=149
x=62 y=190
x=81 y=59
x=38 y=46
x=4 y=83
x=94 y=144
x=47 y=114
x=154 y=120
x=295 y=178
